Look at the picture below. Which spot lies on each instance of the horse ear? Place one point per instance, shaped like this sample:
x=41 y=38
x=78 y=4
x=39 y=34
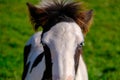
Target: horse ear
x=37 y=16
x=86 y=18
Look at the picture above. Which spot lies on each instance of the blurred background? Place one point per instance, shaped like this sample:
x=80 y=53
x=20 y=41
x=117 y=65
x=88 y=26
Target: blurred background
x=102 y=43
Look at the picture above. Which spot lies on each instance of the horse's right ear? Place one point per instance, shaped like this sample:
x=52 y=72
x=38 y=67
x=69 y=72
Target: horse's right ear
x=37 y=16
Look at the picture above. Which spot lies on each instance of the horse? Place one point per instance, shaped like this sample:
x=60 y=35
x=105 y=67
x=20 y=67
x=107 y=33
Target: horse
x=55 y=53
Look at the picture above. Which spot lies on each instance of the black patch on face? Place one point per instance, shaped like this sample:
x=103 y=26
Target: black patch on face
x=37 y=60
x=26 y=67
x=48 y=62
x=26 y=52
x=77 y=58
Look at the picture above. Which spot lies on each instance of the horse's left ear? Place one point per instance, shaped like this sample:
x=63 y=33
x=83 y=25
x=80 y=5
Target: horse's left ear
x=87 y=16
x=86 y=19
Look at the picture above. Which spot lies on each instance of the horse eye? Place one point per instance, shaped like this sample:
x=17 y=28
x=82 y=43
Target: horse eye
x=81 y=44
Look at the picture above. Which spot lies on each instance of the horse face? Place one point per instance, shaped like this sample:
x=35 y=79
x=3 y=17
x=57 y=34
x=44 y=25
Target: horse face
x=62 y=40
x=63 y=24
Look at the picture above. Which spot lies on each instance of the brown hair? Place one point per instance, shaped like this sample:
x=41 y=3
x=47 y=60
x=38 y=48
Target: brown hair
x=41 y=15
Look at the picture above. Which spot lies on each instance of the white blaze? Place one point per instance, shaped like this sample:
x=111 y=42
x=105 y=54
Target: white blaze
x=62 y=39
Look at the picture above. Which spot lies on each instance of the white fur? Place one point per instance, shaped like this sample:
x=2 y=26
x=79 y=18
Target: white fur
x=62 y=40
x=82 y=71
x=45 y=3
x=36 y=49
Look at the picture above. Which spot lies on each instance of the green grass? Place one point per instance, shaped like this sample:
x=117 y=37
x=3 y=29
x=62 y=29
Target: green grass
x=102 y=43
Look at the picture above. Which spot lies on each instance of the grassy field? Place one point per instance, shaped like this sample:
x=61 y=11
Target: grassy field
x=102 y=43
